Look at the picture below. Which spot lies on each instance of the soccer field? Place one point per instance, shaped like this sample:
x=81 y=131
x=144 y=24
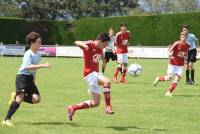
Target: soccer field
x=139 y=107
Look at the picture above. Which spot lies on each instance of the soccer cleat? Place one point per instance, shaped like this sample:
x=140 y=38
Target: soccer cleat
x=156 y=81
x=12 y=98
x=115 y=79
x=168 y=93
x=7 y=123
x=109 y=110
x=189 y=83
x=70 y=112
x=123 y=80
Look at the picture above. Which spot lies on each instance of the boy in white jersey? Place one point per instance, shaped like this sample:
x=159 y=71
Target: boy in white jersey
x=26 y=90
x=192 y=53
x=109 y=50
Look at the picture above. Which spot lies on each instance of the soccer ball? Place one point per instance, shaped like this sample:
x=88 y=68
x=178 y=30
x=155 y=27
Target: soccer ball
x=134 y=70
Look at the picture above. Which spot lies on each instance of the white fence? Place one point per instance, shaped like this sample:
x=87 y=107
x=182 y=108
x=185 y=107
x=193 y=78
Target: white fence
x=70 y=51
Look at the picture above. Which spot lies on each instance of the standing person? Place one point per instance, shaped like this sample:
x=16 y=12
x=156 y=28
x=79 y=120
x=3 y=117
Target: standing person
x=26 y=90
x=109 y=50
x=122 y=42
x=92 y=53
x=177 y=56
x=192 y=53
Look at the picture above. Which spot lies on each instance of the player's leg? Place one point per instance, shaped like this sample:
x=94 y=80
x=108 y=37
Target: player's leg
x=187 y=73
x=32 y=95
x=177 y=76
x=94 y=90
x=191 y=63
x=119 y=66
x=106 y=91
x=168 y=77
x=173 y=85
x=124 y=69
x=94 y=102
x=12 y=109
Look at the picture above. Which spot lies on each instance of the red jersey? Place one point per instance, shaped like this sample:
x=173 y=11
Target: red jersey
x=91 y=58
x=179 y=53
x=121 y=42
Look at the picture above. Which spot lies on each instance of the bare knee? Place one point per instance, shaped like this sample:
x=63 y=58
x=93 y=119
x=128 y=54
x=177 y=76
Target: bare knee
x=36 y=98
x=19 y=98
x=96 y=103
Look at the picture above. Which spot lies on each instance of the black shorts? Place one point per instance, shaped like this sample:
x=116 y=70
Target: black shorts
x=25 y=84
x=110 y=55
x=192 y=55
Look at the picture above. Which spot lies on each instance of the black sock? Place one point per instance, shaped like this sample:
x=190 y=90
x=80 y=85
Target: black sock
x=121 y=70
x=12 y=109
x=187 y=74
x=192 y=75
x=28 y=99
x=103 y=70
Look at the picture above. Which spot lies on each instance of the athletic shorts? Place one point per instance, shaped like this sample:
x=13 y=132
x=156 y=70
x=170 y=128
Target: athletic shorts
x=122 y=58
x=25 y=84
x=92 y=81
x=174 y=70
x=192 y=54
x=110 y=55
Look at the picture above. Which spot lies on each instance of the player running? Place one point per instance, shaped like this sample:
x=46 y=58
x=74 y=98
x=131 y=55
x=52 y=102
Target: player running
x=92 y=53
x=122 y=42
x=109 y=50
x=192 y=53
x=26 y=90
x=177 y=56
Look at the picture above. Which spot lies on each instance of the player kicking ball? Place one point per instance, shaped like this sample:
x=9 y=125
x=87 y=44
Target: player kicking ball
x=26 y=90
x=122 y=42
x=177 y=56
x=92 y=53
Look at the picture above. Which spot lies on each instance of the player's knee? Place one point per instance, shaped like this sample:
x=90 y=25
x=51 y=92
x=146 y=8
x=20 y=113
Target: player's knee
x=190 y=66
x=36 y=99
x=107 y=82
x=168 y=78
x=19 y=97
x=96 y=103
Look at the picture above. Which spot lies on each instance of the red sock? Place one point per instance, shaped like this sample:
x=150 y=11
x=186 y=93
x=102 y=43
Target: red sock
x=172 y=87
x=163 y=78
x=106 y=92
x=117 y=71
x=124 y=72
x=83 y=105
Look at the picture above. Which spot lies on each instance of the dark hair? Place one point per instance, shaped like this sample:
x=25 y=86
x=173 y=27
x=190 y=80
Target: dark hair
x=32 y=37
x=103 y=37
x=186 y=26
x=123 y=25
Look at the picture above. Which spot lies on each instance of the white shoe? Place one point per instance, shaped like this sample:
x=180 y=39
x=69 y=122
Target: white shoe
x=168 y=94
x=7 y=123
x=156 y=81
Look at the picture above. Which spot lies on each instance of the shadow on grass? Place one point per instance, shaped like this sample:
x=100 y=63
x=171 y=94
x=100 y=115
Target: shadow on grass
x=125 y=128
x=187 y=95
x=48 y=123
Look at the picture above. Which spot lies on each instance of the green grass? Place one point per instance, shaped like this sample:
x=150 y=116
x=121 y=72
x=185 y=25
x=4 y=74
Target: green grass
x=139 y=107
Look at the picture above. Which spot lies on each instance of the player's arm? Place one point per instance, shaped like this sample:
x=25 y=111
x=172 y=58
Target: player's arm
x=82 y=45
x=35 y=67
x=171 y=49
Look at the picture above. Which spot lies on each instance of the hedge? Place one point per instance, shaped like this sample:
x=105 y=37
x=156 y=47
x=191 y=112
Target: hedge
x=52 y=32
x=152 y=30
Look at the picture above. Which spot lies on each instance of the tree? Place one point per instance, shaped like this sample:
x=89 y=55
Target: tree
x=71 y=9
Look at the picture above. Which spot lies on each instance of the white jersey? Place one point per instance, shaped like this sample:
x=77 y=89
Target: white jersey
x=191 y=40
x=111 y=44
